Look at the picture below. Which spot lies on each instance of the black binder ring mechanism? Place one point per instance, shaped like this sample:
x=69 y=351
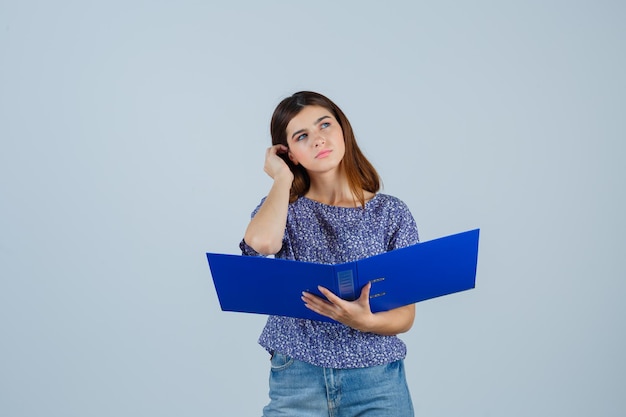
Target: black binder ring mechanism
x=380 y=294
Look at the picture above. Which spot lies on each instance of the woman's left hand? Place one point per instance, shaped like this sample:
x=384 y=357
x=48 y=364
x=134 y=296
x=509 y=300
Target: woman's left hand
x=356 y=314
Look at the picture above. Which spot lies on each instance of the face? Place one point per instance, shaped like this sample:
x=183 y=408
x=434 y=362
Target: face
x=315 y=140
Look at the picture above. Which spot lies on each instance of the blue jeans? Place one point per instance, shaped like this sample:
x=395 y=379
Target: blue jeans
x=299 y=389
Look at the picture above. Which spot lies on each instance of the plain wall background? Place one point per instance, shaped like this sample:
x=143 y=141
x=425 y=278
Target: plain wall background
x=132 y=141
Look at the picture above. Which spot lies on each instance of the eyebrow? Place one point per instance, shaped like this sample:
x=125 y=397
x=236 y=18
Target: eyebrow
x=316 y=122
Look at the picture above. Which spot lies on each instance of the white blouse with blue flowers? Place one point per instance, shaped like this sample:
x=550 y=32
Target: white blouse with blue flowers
x=321 y=233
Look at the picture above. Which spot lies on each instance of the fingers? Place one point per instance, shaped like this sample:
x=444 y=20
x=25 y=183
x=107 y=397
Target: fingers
x=277 y=149
x=329 y=295
x=365 y=293
x=355 y=314
x=319 y=305
x=312 y=300
x=274 y=164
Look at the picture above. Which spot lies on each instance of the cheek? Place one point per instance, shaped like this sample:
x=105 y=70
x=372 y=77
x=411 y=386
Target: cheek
x=295 y=153
x=340 y=137
x=340 y=141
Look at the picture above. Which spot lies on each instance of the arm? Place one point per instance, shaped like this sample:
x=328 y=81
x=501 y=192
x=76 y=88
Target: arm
x=357 y=313
x=266 y=229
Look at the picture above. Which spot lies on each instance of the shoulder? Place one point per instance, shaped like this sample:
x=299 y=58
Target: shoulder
x=390 y=208
x=301 y=203
x=388 y=201
x=400 y=222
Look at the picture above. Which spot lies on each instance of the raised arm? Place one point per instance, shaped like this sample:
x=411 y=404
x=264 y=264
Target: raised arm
x=266 y=229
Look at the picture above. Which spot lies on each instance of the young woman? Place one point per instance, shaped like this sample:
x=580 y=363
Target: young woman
x=324 y=207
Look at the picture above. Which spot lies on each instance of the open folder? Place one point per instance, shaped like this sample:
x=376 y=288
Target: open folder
x=255 y=284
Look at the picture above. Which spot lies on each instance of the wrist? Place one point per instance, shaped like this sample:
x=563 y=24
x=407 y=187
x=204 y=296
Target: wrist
x=284 y=177
x=369 y=324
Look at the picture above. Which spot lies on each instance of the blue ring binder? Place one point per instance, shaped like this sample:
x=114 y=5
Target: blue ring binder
x=400 y=277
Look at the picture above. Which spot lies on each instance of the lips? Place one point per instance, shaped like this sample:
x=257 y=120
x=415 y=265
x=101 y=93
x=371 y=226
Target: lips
x=323 y=154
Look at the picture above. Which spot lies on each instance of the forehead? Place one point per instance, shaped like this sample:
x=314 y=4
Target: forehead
x=307 y=118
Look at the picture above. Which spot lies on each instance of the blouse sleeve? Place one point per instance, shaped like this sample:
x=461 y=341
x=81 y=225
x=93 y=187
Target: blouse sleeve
x=246 y=249
x=405 y=229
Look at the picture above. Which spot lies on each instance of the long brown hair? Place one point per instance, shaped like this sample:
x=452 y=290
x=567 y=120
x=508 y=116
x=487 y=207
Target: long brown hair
x=359 y=171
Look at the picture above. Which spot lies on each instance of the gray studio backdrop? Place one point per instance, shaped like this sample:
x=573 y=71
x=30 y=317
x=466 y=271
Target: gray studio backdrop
x=132 y=142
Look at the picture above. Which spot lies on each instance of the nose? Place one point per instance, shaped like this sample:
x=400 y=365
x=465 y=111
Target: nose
x=319 y=140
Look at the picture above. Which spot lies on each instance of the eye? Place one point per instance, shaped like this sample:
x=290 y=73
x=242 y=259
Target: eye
x=301 y=137
x=325 y=125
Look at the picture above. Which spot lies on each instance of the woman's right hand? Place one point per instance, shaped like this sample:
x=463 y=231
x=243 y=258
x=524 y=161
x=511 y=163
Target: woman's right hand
x=266 y=230
x=275 y=166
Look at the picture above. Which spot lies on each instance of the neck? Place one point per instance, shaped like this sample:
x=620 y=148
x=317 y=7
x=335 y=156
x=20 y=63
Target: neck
x=332 y=190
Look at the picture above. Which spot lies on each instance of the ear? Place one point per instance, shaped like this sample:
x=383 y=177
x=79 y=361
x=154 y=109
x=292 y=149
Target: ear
x=292 y=158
